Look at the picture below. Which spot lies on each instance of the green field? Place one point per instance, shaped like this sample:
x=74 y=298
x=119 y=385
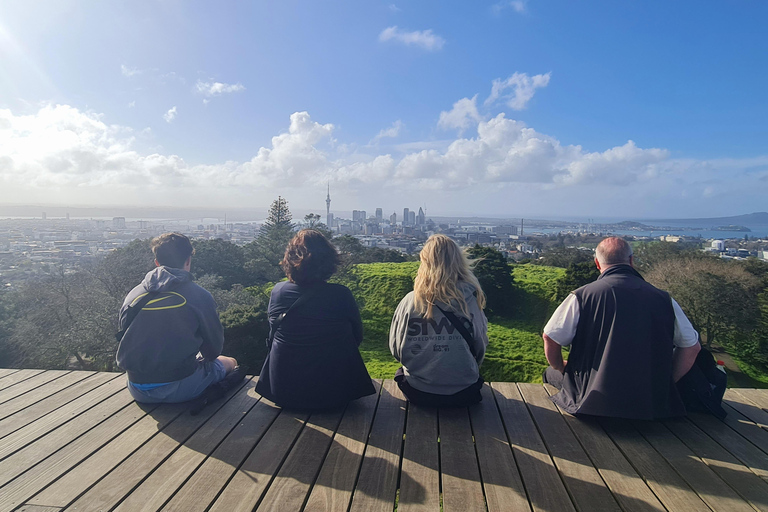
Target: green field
x=515 y=352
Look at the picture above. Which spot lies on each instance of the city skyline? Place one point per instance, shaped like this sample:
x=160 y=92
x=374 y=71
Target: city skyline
x=505 y=109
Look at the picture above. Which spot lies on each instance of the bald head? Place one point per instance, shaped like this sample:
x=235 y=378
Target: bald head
x=613 y=251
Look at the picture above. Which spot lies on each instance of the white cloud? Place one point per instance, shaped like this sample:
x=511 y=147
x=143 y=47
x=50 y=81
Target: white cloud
x=394 y=8
x=132 y=104
x=170 y=115
x=423 y=38
x=217 y=88
x=522 y=88
x=129 y=72
x=62 y=152
x=391 y=132
x=463 y=115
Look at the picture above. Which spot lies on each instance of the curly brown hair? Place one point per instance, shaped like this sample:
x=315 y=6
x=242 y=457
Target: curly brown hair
x=309 y=258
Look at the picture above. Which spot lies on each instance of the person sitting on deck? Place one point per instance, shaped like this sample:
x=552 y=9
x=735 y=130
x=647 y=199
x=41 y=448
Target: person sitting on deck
x=315 y=331
x=439 y=331
x=630 y=342
x=171 y=350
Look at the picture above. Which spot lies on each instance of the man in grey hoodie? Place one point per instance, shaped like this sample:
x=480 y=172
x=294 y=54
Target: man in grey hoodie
x=171 y=350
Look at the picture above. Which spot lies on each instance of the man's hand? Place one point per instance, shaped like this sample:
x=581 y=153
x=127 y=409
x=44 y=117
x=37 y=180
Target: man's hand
x=554 y=353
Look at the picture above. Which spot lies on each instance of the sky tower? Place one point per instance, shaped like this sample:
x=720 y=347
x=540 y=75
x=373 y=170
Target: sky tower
x=328 y=219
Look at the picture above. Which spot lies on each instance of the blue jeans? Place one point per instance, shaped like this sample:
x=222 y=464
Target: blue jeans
x=207 y=373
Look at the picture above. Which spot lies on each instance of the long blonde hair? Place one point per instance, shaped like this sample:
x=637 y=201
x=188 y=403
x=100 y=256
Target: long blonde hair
x=443 y=266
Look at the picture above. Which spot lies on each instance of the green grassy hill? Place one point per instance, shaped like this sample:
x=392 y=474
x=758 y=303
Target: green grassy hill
x=515 y=352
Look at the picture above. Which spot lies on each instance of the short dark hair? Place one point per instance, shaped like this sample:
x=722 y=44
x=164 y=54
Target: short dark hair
x=309 y=258
x=172 y=249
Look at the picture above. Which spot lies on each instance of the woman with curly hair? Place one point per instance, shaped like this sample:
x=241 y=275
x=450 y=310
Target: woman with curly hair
x=315 y=330
x=439 y=331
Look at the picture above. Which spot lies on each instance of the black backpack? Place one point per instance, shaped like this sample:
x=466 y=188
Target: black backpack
x=703 y=387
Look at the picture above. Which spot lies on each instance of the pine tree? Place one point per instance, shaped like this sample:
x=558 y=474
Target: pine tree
x=267 y=252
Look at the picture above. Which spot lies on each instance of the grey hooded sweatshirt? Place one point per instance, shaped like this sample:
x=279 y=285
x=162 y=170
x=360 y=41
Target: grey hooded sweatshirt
x=434 y=354
x=163 y=340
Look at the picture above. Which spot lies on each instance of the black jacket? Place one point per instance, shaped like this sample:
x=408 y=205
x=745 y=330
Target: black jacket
x=314 y=362
x=620 y=362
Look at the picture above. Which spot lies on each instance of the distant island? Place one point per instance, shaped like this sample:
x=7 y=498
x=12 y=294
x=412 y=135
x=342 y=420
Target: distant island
x=732 y=227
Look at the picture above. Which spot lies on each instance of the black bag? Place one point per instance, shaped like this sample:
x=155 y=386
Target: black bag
x=703 y=387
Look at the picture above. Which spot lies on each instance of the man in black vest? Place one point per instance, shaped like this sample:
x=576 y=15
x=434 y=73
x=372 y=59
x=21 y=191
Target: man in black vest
x=630 y=342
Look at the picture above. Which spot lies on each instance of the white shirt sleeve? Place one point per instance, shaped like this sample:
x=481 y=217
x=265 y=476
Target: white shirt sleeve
x=562 y=326
x=685 y=334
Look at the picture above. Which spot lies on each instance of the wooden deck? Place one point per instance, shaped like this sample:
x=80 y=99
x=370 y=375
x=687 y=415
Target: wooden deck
x=76 y=441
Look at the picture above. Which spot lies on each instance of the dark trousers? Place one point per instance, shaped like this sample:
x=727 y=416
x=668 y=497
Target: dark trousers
x=553 y=377
x=465 y=397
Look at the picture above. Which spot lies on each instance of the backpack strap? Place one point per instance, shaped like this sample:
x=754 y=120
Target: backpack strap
x=279 y=319
x=133 y=310
x=458 y=323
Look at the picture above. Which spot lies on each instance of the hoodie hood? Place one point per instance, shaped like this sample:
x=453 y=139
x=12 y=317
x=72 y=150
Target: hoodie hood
x=165 y=278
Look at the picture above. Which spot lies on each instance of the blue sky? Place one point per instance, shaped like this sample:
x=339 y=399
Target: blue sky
x=542 y=108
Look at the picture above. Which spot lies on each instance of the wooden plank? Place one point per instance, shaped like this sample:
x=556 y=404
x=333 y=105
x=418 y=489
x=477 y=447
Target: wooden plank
x=739 y=447
x=670 y=488
x=377 y=484
x=36 y=508
x=584 y=483
x=37 y=410
x=163 y=483
x=40 y=393
x=250 y=482
x=734 y=473
x=462 y=490
x=34 y=453
x=759 y=397
x=747 y=428
x=81 y=463
x=42 y=426
x=627 y=486
x=202 y=488
x=4 y=372
x=28 y=385
x=545 y=489
x=745 y=406
x=290 y=488
x=119 y=482
x=17 y=376
x=700 y=477
x=334 y=485
x=501 y=479
x=420 y=471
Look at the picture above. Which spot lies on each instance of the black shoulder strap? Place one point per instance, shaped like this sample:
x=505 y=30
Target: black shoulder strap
x=132 y=311
x=459 y=325
x=279 y=320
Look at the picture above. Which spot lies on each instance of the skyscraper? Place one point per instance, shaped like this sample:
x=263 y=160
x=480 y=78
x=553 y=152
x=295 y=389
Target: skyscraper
x=379 y=215
x=406 y=216
x=393 y=218
x=328 y=218
x=412 y=218
x=421 y=219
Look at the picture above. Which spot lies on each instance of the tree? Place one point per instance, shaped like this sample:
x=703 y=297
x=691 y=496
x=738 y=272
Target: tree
x=564 y=257
x=495 y=277
x=312 y=221
x=122 y=269
x=221 y=258
x=264 y=255
x=576 y=276
x=720 y=298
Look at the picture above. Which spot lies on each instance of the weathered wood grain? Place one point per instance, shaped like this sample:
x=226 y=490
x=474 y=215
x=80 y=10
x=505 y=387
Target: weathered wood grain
x=377 y=483
x=25 y=413
x=27 y=385
x=503 y=486
x=462 y=489
x=16 y=377
x=670 y=488
x=583 y=481
x=420 y=472
x=629 y=489
x=334 y=485
x=543 y=485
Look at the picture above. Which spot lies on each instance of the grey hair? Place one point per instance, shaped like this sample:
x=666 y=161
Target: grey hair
x=613 y=251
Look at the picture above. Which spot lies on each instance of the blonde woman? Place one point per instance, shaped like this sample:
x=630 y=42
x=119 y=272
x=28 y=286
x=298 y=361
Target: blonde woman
x=439 y=331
